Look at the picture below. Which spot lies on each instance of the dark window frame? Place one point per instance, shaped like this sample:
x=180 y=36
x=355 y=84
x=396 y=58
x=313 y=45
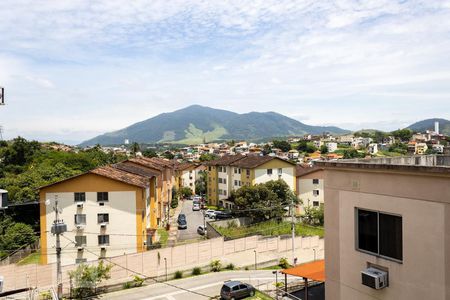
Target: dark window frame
x=100 y=236
x=102 y=214
x=80 y=195
x=80 y=223
x=101 y=197
x=83 y=238
x=378 y=253
x=315 y=181
x=269 y=171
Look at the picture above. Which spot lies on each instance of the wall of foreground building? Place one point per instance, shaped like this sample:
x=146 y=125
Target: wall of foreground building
x=240 y=252
x=423 y=201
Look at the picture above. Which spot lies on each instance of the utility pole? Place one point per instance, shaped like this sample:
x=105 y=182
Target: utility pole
x=293 y=232
x=58 y=228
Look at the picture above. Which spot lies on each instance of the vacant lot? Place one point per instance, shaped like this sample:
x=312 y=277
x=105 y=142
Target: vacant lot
x=269 y=228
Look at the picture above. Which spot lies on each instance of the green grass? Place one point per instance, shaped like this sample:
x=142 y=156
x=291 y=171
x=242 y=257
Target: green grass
x=270 y=228
x=260 y=296
x=163 y=236
x=276 y=267
x=33 y=258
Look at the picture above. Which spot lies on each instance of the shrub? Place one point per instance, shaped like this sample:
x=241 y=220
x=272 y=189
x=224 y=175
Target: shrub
x=196 y=271
x=178 y=275
x=284 y=263
x=232 y=224
x=246 y=268
x=138 y=281
x=230 y=266
x=127 y=285
x=174 y=203
x=216 y=266
x=86 y=278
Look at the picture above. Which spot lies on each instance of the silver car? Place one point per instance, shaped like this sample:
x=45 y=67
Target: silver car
x=236 y=290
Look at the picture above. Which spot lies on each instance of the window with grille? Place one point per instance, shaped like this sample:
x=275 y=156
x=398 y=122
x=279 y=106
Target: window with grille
x=80 y=240
x=103 y=239
x=80 y=219
x=102 y=218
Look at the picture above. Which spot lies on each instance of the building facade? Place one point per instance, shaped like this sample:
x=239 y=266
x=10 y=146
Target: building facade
x=309 y=187
x=391 y=214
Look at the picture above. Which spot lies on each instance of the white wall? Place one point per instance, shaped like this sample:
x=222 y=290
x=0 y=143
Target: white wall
x=305 y=188
x=121 y=208
x=287 y=175
x=188 y=179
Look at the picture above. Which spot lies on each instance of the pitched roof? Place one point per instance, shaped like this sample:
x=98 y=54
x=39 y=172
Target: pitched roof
x=304 y=169
x=224 y=160
x=147 y=162
x=122 y=176
x=133 y=168
x=253 y=161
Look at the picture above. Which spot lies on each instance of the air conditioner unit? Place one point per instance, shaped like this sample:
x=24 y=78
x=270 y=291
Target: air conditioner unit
x=103 y=224
x=374 y=278
x=80 y=226
x=80 y=248
x=80 y=204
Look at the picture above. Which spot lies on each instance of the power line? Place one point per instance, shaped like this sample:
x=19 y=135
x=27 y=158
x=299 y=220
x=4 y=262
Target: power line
x=151 y=278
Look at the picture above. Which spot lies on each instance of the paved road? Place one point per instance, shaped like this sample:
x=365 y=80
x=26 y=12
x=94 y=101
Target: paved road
x=193 y=288
x=194 y=219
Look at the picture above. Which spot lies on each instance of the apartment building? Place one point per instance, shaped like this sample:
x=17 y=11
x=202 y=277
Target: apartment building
x=387 y=228
x=309 y=187
x=187 y=175
x=231 y=172
x=108 y=211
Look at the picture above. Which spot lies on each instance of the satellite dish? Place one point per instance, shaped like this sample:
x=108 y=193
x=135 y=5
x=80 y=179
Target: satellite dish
x=47 y=202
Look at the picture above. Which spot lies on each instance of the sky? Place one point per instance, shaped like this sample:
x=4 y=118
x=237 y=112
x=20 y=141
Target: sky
x=75 y=69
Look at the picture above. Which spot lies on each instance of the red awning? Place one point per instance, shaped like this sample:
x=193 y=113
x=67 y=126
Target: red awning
x=313 y=270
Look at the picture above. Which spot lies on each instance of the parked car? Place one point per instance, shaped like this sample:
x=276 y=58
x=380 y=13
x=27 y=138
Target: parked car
x=182 y=224
x=201 y=230
x=236 y=290
x=196 y=206
x=181 y=217
x=221 y=215
x=210 y=213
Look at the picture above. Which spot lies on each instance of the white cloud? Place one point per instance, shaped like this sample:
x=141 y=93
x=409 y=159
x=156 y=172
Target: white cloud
x=81 y=68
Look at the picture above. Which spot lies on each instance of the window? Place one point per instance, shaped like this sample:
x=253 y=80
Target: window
x=80 y=219
x=80 y=197
x=315 y=203
x=280 y=171
x=102 y=218
x=269 y=171
x=379 y=233
x=235 y=170
x=220 y=180
x=209 y=169
x=248 y=173
x=103 y=239
x=102 y=196
x=315 y=181
x=224 y=192
x=316 y=192
x=80 y=240
x=224 y=180
x=235 y=182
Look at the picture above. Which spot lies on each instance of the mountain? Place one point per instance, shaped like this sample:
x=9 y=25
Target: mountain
x=422 y=126
x=195 y=123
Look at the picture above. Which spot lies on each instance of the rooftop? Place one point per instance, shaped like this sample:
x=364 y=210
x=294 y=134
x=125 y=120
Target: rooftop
x=416 y=163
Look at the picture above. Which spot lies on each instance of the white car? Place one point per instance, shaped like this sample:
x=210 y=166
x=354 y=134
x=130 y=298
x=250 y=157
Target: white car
x=210 y=213
x=196 y=206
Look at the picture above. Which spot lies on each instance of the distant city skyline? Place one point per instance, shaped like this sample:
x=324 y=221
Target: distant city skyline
x=74 y=69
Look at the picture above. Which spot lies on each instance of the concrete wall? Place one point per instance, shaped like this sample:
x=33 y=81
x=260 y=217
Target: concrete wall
x=422 y=200
x=240 y=252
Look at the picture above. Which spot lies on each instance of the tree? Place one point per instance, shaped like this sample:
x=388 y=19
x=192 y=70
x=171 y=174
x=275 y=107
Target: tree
x=324 y=149
x=403 y=135
x=352 y=153
x=149 y=153
x=20 y=152
x=168 y=155
x=263 y=201
x=185 y=192
x=86 y=278
x=208 y=157
x=304 y=146
x=135 y=148
x=314 y=216
x=399 y=148
x=282 y=145
x=16 y=235
x=200 y=183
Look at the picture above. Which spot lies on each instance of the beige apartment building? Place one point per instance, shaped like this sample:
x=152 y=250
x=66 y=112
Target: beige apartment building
x=309 y=186
x=393 y=215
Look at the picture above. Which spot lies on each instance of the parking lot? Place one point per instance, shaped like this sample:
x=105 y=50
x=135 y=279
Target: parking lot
x=194 y=219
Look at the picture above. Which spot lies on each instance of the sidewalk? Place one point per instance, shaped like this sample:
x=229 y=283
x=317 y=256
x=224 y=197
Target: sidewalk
x=173 y=232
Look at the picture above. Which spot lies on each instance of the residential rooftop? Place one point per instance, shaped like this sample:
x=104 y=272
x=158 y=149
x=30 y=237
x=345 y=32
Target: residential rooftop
x=416 y=163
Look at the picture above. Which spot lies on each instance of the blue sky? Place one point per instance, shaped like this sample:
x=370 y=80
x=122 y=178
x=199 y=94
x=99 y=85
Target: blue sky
x=75 y=69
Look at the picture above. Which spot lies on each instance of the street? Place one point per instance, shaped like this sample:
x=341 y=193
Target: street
x=194 y=219
x=198 y=287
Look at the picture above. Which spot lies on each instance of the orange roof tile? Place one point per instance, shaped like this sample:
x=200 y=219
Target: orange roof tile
x=313 y=270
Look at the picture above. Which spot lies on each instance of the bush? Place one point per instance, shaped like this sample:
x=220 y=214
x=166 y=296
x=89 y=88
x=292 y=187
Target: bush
x=232 y=224
x=314 y=216
x=138 y=281
x=216 y=266
x=86 y=278
x=246 y=269
x=178 y=275
x=127 y=285
x=230 y=266
x=284 y=263
x=174 y=203
x=196 y=271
